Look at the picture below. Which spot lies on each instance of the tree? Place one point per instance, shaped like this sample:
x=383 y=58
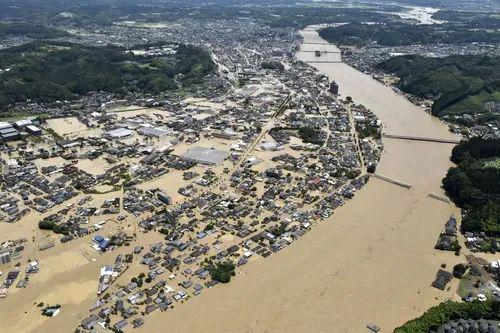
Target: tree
x=371 y=168
x=222 y=271
x=459 y=270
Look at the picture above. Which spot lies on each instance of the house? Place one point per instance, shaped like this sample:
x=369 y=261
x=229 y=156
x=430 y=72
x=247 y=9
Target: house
x=151 y=308
x=163 y=197
x=186 y=284
x=495 y=265
x=138 y=322
x=89 y=322
x=5 y=256
x=119 y=326
x=442 y=278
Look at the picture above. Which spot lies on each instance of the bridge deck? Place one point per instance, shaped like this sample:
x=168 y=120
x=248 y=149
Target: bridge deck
x=322 y=62
x=392 y=181
x=318 y=43
x=418 y=138
x=322 y=52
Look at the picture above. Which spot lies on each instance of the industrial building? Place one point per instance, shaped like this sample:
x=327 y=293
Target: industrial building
x=208 y=156
x=33 y=130
x=118 y=133
x=8 y=132
x=22 y=124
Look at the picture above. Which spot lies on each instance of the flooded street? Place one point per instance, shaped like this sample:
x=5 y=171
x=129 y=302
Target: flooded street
x=372 y=262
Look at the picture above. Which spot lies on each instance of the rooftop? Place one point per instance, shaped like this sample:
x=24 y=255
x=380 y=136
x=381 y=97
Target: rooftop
x=206 y=155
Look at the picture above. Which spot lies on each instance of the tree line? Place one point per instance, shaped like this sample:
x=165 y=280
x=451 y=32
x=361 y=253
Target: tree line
x=474 y=184
x=393 y=34
x=458 y=84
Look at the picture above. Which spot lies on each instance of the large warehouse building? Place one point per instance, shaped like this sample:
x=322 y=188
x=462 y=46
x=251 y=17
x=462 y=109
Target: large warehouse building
x=209 y=156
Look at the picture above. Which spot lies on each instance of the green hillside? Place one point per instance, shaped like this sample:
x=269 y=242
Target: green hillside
x=47 y=72
x=458 y=84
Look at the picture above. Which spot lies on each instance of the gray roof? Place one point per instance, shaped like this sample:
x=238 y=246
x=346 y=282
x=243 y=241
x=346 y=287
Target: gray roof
x=23 y=122
x=8 y=130
x=119 y=133
x=151 y=131
x=206 y=155
x=5 y=125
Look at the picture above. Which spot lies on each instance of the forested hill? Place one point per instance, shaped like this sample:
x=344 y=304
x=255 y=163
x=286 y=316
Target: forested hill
x=57 y=71
x=474 y=185
x=458 y=84
x=29 y=30
x=393 y=34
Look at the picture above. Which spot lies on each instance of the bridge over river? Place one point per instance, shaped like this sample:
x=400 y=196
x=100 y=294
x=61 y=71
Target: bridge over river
x=420 y=138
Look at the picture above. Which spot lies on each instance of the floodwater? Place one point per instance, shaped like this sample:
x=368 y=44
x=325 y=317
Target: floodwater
x=372 y=262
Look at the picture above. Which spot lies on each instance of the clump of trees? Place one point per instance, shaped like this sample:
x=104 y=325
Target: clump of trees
x=222 y=271
x=459 y=270
x=474 y=185
x=447 y=311
x=369 y=131
x=311 y=135
x=55 y=227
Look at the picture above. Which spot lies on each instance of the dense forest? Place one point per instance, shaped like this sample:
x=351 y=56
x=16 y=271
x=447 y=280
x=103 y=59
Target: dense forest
x=29 y=30
x=47 y=72
x=457 y=84
x=447 y=311
x=472 y=19
x=392 y=34
x=474 y=184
